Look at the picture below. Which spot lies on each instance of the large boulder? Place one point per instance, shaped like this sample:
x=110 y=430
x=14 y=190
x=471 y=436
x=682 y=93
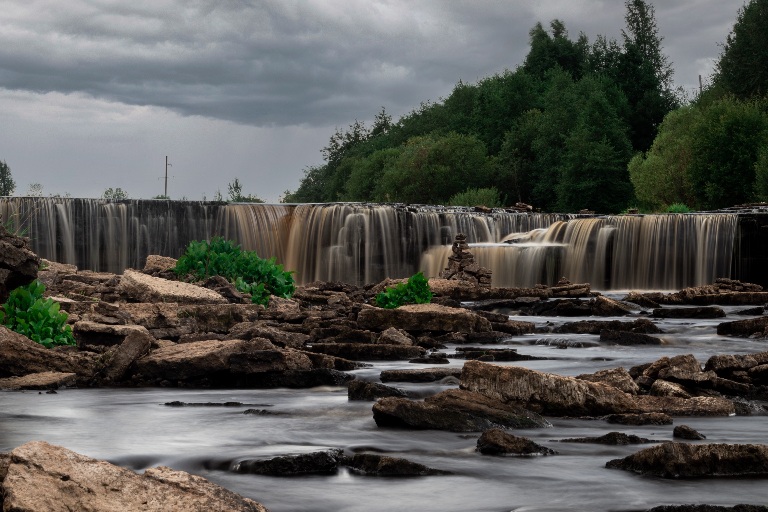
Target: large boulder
x=41 y=476
x=683 y=460
x=18 y=264
x=423 y=317
x=453 y=410
x=497 y=442
x=545 y=393
x=140 y=287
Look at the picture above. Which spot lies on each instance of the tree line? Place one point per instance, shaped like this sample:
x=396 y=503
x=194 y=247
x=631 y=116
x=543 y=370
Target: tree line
x=578 y=125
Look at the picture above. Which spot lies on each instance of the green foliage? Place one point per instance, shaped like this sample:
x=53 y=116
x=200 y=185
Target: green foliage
x=678 y=208
x=250 y=274
x=115 y=194
x=7 y=185
x=761 y=174
x=28 y=313
x=489 y=197
x=743 y=66
x=236 y=194
x=414 y=291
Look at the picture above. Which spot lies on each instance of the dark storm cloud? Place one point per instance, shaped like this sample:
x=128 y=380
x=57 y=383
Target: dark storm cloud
x=282 y=63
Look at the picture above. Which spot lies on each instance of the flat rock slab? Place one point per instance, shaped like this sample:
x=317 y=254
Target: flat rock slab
x=423 y=317
x=683 y=460
x=419 y=374
x=42 y=476
x=368 y=351
x=144 y=288
x=43 y=380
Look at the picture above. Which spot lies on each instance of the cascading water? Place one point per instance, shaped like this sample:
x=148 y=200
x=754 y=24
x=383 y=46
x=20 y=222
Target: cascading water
x=360 y=243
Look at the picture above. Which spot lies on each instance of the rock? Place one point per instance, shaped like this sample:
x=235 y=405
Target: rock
x=641 y=300
x=423 y=317
x=641 y=325
x=394 y=336
x=18 y=264
x=139 y=287
x=744 y=328
x=380 y=465
x=21 y=356
x=647 y=418
x=604 y=306
x=661 y=387
x=611 y=438
x=616 y=377
x=159 y=264
x=462 y=266
x=493 y=354
x=682 y=460
x=368 y=351
x=628 y=338
x=370 y=391
x=419 y=374
x=431 y=358
x=42 y=476
x=694 y=406
x=229 y=291
x=98 y=337
x=317 y=463
x=545 y=393
x=43 y=380
x=708 y=508
x=52 y=273
x=455 y=411
x=694 y=312
x=723 y=364
x=279 y=337
x=686 y=432
x=497 y=442
x=135 y=345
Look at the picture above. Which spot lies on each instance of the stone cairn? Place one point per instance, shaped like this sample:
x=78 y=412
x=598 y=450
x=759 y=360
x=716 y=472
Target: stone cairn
x=462 y=266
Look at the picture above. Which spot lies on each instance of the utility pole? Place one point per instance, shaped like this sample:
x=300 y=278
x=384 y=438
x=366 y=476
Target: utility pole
x=166 y=175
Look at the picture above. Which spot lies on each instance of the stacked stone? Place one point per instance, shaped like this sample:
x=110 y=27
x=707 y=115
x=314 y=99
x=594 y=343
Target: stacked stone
x=462 y=266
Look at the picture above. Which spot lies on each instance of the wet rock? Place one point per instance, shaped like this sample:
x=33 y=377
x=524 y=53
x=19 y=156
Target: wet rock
x=661 y=387
x=641 y=325
x=694 y=406
x=368 y=351
x=723 y=364
x=18 y=264
x=628 y=338
x=641 y=300
x=317 y=463
x=648 y=418
x=750 y=327
x=41 y=476
x=683 y=460
x=455 y=411
x=380 y=465
x=493 y=354
x=98 y=337
x=419 y=374
x=611 y=438
x=751 y=311
x=118 y=360
x=159 y=265
x=686 y=432
x=545 y=393
x=423 y=317
x=140 y=287
x=462 y=266
x=226 y=289
x=497 y=442
x=616 y=377
x=44 y=380
x=371 y=391
x=432 y=358
x=700 y=312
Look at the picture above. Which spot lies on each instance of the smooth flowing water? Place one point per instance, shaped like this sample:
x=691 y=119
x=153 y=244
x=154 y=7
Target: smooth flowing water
x=133 y=428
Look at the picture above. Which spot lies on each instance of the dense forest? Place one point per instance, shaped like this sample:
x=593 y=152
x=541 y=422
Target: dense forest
x=578 y=125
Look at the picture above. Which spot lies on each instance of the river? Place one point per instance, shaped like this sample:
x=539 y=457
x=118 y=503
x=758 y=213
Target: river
x=133 y=428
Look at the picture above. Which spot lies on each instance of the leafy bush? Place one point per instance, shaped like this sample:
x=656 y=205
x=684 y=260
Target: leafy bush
x=27 y=313
x=489 y=197
x=415 y=291
x=678 y=208
x=250 y=274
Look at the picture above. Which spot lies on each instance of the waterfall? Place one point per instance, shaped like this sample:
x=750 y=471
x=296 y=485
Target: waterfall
x=365 y=243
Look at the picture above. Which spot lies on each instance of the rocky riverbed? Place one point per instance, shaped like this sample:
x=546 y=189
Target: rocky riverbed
x=472 y=374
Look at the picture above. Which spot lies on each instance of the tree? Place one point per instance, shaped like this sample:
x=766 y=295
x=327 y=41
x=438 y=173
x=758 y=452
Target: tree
x=236 y=194
x=555 y=50
x=115 y=194
x=7 y=185
x=35 y=190
x=743 y=66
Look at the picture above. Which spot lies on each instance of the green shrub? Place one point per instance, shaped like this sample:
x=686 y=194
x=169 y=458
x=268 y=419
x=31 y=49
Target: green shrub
x=678 y=208
x=27 y=312
x=415 y=291
x=250 y=274
x=489 y=197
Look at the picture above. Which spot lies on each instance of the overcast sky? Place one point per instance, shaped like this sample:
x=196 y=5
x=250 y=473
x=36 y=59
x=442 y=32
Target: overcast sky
x=96 y=93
